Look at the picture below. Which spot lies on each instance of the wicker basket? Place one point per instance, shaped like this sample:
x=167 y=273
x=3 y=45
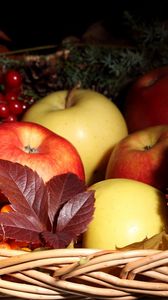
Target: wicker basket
x=83 y=274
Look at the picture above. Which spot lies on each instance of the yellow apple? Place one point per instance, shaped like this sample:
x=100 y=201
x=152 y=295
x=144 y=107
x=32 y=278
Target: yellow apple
x=126 y=211
x=89 y=120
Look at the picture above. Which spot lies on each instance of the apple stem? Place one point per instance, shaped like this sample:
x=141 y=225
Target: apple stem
x=147 y=147
x=69 y=98
x=28 y=149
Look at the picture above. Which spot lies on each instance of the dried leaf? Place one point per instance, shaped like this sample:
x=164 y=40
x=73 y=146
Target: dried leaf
x=158 y=242
x=164 y=244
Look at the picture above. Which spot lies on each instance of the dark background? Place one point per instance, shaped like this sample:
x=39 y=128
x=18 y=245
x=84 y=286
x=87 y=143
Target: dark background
x=31 y=24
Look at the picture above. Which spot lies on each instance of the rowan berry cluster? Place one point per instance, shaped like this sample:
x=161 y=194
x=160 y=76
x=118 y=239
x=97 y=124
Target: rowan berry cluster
x=13 y=103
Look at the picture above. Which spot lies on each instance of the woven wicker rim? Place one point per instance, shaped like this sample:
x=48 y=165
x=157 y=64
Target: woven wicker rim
x=84 y=274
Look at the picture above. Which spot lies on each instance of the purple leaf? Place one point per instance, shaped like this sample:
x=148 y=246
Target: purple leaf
x=25 y=190
x=61 y=188
x=51 y=214
x=50 y=239
x=19 y=227
x=74 y=217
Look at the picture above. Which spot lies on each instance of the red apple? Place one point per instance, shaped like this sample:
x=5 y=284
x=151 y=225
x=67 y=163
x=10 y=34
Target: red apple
x=40 y=149
x=147 y=100
x=142 y=156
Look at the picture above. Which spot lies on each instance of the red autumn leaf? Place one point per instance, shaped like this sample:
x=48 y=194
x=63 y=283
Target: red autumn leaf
x=62 y=188
x=50 y=214
x=50 y=239
x=74 y=216
x=72 y=220
x=75 y=212
x=18 y=227
x=25 y=190
x=27 y=193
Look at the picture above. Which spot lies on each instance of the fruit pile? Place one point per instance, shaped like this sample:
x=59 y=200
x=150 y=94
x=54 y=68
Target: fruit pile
x=71 y=166
x=127 y=169
x=13 y=102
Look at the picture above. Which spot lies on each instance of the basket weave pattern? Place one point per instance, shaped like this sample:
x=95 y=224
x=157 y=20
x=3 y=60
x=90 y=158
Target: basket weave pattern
x=84 y=274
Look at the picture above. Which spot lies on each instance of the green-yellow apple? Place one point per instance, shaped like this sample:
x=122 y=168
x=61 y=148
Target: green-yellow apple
x=89 y=120
x=143 y=156
x=147 y=100
x=126 y=211
x=40 y=149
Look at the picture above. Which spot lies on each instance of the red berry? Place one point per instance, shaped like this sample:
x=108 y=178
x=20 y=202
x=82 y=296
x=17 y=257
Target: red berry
x=10 y=118
x=4 y=110
x=11 y=95
x=13 y=79
x=15 y=107
x=24 y=106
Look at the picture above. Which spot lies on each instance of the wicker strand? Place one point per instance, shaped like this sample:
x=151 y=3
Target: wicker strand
x=84 y=274
x=156 y=275
x=107 y=260
x=143 y=264
x=162 y=270
x=139 y=287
